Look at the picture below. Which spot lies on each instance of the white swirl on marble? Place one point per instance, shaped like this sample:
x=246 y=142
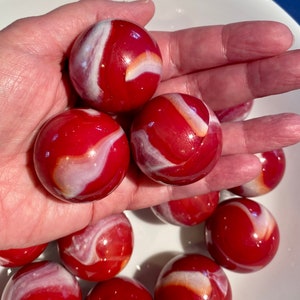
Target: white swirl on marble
x=49 y=276
x=147 y=62
x=163 y=211
x=219 y=277
x=154 y=160
x=263 y=223
x=4 y=261
x=256 y=186
x=84 y=245
x=196 y=282
x=198 y=125
x=89 y=59
x=73 y=173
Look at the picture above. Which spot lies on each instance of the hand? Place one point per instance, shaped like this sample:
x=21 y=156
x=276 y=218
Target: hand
x=231 y=64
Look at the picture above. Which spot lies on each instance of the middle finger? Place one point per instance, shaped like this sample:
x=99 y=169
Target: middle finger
x=250 y=136
x=200 y=48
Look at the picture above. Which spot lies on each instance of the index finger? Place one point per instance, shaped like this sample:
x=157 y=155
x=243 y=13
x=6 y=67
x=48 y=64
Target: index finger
x=189 y=50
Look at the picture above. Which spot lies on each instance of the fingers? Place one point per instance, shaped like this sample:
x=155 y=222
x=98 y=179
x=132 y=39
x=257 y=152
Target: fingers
x=237 y=164
x=235 y=84
x=235 y=167
x=230 y=171
x=61 y=26
x=74 y=18
x=250 y=136
x=190 y=50
x=231 y=85
x=275 y=75
x=232 y=64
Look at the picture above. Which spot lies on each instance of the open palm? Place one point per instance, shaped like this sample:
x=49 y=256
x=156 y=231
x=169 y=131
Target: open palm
x=34 y=86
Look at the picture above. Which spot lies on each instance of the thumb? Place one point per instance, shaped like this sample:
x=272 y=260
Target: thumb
x=71 y=19
x=62 y=25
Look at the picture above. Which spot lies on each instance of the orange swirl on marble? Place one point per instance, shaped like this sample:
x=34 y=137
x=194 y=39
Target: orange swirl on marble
x=147 y=62
x=192 y=118
x=196 y=282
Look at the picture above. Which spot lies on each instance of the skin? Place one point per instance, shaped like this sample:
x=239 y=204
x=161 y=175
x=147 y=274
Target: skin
x=236 y=63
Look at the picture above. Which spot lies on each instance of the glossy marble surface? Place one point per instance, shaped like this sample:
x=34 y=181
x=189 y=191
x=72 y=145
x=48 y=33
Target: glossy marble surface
x=279 y=280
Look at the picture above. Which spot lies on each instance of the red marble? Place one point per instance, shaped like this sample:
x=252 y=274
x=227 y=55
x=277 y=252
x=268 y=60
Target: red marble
x=176 y=139
x=13 y=258
x=188 y=211
x=99 y=251
x=236 y=113
x=242 y=235
x=42 y=280
x=119 y=288
x=81 y=155
x=273 y=165
x=115 y=66
x=192 y=276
